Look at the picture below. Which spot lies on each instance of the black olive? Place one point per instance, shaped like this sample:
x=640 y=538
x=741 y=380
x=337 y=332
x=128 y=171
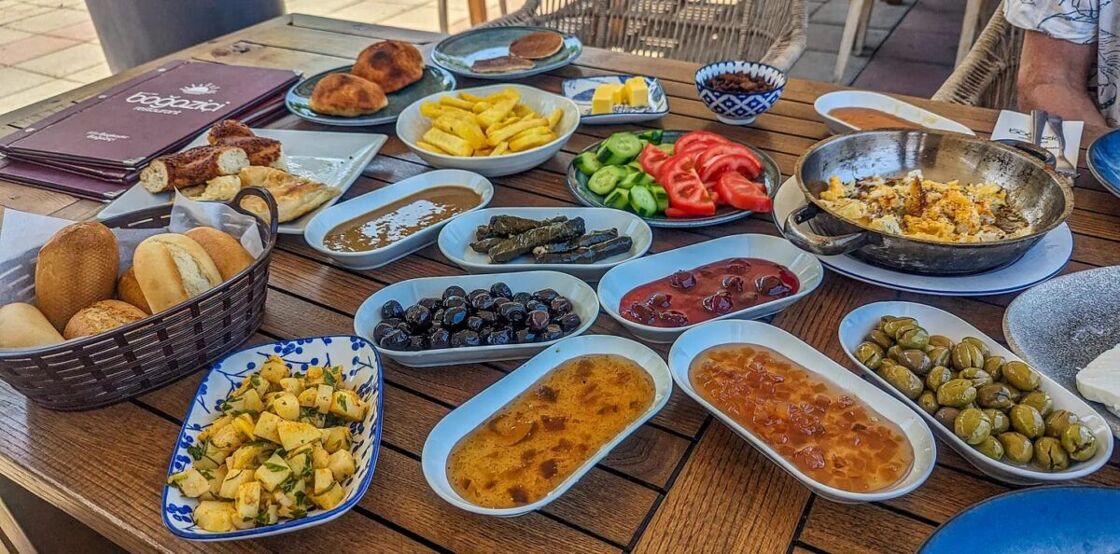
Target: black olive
x=392 y=310
x=674 y=318
x=455 y=302
x=717 y=303
x=500 y=289
x=454 y=317
x=488 y=317
x=682 y=280
x=642 y=313
x=466 y=337
x=524 y=336
x=380 y=330
x=569 y=322
x=560 y=306
x=403 y=326
x=394 y=321
x=659 y=300
x=418 y=317
x=437 y=317
x=522 y=297
x=440 y=338
x=394 y=340
x=475 y=293
x=552 y=332
x=733 y=283
x=537 y=320
x=453 y=290
x=431 y=303
x=500 y=336
x=536 y=305
x=546 y=295
x=499 y=300
x=482 y=301
x=771 y=285
x=474 y=323
x=417 y=343
x=512 y=312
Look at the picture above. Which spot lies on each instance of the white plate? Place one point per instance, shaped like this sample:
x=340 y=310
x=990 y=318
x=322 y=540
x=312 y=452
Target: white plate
x=581 y=90
x=464 y=419
x=410 y=291
x=1043 y=261
x=334 y=159
x=455 y=239
x=696 y=341
x=328 y=219
x=855 y=326
x=411 y=125
x=624 y=278
x=863 y=99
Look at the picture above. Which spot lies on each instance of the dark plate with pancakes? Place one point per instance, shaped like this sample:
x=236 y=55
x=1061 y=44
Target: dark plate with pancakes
x=433 y=80
x=506 y=52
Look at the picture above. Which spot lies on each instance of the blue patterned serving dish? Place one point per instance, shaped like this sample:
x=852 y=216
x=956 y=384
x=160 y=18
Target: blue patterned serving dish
x=740 y=109
x=581 y=89
x=362 y=370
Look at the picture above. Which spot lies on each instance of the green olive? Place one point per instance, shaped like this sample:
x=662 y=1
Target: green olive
x=940 y=341
x=902 y=379
x=1000 y=422
x=994 y=395
x=938 y=355
x=1021 y=376
x=994 y=366
x=915 y=360
x=972 y=426
x=884 y=319
x=879 y=337
x=895 y=353
x=966 y=355
x=869 y=354
x=990 y=447
x=1049 y=454
x=957 y=393
x=928 y=401
x=1038 y=400
x=1058 y=421
x=979 y=344
x=1079 y=442
x=1016 y=394
x=978 y=376
x=947 y=416
x=914 y=337
x=892 y=327
x=1017 y=447
x=1026 y=420
x=938 y=376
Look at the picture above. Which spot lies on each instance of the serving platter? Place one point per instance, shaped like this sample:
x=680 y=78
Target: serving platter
x=1063 y=324
x=298 y=100
x=332 y=158
x=580 y=91
x=458 y=52
x=455 y=240
x=1041 y=262
x=695 y=341
x=472 y=413
x=881 y=102
x=859 y=322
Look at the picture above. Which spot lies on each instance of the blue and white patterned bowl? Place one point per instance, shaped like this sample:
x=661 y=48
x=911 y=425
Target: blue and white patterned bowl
x=362 y=370
x=740 y=109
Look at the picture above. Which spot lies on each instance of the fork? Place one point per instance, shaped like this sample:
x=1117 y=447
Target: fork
x=1062 y=164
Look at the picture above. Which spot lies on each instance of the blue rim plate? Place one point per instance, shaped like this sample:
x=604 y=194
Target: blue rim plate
x=363 y=372
x=771 y=177
x=580 y=91
x=1103 y=159
x=1081 y=519
x=457 y=52
x=435 y=79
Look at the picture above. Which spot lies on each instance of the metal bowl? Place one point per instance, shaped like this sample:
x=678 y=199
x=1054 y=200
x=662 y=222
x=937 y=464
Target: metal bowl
x=1043 y=197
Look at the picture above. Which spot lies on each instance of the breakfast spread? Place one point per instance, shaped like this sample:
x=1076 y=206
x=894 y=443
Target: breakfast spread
x=1099 y=381
x=481 y=317
x=557 y=240
x=915 y=207
x=994 y=405
x=494 y=125
x=634 y=93
x=692 y=296
x=279 y=448
x=870 y=118
x=522 y=51
x=533 y=443
x=828 y=434
x=382 y=68
x=400 y=219
x=738 y=83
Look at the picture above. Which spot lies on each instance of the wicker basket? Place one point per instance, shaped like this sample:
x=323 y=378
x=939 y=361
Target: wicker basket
x=94 y=371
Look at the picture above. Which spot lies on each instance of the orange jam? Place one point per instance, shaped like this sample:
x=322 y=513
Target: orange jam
x=829 y=435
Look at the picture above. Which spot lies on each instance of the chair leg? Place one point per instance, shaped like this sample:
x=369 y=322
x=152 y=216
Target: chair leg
x=864 y=25
x=441 y=6
x=502 y=7
x=848 y=39
x=968 y=29
x=11 y=530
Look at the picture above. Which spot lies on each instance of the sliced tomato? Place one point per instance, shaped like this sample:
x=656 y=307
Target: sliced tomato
x=686 y=140
x=675 y=213
x=652 y=158
x=714 y=160
x=742 y=193
x=686 y=191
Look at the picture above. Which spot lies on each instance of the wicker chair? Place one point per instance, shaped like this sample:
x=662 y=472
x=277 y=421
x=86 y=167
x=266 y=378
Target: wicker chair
x=988 y=73
x=772 y=31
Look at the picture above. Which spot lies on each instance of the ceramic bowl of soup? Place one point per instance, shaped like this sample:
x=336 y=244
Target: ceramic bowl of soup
x=856 y=110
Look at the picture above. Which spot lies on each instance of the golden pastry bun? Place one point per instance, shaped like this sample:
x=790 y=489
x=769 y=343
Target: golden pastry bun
x=226 y=252
x=24 y=326
x=392 y=64
x=172 y=268
x=76 y=267
x=100 y=317
x=128 y=290
x=345 y=95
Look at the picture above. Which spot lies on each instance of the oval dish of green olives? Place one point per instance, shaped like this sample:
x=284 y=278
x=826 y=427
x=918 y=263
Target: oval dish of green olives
x=992 y=404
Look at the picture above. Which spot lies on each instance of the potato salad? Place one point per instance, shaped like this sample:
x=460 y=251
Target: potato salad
x=280 y=449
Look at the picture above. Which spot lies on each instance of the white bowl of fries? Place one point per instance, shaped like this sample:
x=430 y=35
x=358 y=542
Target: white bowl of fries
x=493 y=130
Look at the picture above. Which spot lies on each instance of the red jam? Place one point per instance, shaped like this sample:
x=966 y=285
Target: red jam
x=707 y=292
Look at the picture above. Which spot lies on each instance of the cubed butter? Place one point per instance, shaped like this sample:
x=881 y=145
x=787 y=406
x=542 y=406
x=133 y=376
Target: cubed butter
x=636 y=92
x=602 y=101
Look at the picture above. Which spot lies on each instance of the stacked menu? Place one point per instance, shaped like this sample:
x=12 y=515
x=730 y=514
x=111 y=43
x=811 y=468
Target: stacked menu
x=97 y=147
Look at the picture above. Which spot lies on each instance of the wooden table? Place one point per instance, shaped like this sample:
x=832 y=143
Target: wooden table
x=681 y=482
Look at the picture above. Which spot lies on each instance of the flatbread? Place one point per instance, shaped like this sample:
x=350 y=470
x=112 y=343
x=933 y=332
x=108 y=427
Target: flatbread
x=501 y=64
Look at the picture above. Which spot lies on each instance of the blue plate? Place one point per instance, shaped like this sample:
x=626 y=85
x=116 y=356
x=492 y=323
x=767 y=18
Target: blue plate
x=434 y=80
x=458 y=52
x=1048 y=519
x=582 y=89
x=1104 y=160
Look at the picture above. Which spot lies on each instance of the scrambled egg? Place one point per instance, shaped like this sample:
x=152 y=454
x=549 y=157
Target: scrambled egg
x=916 y=207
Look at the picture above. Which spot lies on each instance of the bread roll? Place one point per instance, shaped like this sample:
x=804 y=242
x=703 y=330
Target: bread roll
x=347 y=96
x=228 y=128
x=129 y=291
x=192 y=167
x=226 y=252
x=24 y=326
x=172 y=268
x=76 y=267
x=100 y=317
x=391 y=64
x=260 y=150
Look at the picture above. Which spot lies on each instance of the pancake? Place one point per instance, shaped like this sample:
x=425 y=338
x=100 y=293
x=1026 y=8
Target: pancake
x=536 y=46
x=391 y=64
x=501 y=64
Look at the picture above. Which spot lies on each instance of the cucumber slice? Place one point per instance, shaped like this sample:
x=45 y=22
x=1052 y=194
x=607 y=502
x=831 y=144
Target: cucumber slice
x=647 y=180
x=619 y=198
x=660 y=196
x=604 y=180
x=642 y=202
x=620 y=148
x=630 y=179
x=587 y=163
x=666 y=147
x=652 y=135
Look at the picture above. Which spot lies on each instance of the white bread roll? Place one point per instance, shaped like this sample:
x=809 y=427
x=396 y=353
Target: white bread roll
x=129 y=291
x=228 y=254
x=24 y=326
x=172 y=268
x=100 y=317
x=76 y=267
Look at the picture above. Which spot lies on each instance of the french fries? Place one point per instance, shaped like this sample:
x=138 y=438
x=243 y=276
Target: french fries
x=470 y=125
